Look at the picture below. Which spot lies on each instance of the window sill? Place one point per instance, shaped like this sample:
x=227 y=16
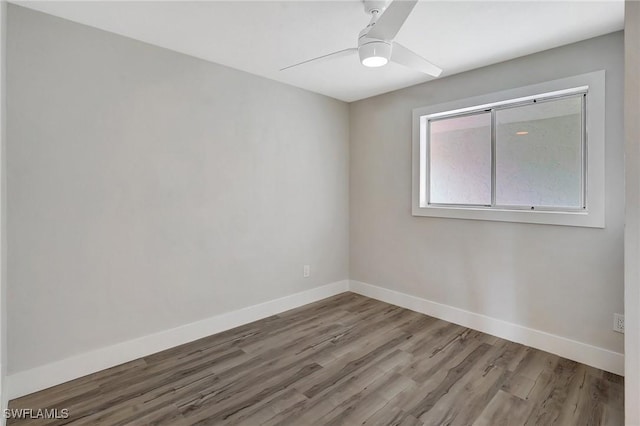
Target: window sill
x=545 y=217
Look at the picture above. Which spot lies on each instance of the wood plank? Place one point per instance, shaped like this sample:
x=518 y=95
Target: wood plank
x=548 y=407
x=519 y=385
x=453 y=375
x=476 y=388
x=503 y=410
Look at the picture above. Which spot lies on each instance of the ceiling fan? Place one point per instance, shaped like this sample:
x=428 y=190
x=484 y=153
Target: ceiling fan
x=375 y=42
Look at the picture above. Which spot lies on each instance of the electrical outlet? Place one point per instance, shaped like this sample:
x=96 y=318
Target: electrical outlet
x=618 y=323
x=306 y=271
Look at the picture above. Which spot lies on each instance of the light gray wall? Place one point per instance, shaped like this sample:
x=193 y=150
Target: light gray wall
x=148 y=189
x=632 y=230
x=3 y=206
x=563 y=280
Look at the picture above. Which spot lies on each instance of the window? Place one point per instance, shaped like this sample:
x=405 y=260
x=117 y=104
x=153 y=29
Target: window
x=526 y=154
x=534 y=154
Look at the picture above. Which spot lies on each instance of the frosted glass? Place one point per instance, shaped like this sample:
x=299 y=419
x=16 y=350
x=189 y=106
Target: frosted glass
x=539 y=154
x=460 y=160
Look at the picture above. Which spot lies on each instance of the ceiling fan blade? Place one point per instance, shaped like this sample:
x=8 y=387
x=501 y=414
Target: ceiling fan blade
x=337 y=54
x=409 y=58
x=388 y=25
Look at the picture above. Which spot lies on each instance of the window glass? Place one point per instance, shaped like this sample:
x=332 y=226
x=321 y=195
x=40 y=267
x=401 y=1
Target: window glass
x=539 y=158
x=460 y=160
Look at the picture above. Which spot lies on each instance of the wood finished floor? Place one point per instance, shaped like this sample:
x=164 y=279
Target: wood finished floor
x=346 y=360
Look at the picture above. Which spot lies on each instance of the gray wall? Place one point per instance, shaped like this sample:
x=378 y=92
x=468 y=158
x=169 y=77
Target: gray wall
x=559 y=279
x=148 y=189
x=3 y=206
x=632 y=230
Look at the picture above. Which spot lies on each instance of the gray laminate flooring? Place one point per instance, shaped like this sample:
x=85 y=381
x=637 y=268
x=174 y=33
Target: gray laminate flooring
x=346 y=360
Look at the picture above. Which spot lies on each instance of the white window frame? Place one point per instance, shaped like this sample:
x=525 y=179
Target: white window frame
x=592 y=84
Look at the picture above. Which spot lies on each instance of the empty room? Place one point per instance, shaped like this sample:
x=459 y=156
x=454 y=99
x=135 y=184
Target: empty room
x=296 y=212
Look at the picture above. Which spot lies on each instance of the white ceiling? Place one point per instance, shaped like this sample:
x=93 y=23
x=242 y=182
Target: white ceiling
x=263 y=36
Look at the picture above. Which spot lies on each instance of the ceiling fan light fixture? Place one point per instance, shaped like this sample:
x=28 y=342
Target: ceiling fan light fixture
x=375 y=53
x=375 y=61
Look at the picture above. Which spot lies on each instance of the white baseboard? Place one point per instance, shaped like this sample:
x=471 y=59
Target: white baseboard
x=587 y=354
x=26 y=382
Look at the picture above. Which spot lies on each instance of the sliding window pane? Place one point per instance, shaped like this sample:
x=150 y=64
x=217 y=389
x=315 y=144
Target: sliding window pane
x=539 y=154
x=460 y=160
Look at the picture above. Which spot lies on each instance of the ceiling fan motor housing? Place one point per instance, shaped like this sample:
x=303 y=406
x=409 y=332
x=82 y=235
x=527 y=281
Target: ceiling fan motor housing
x=372 y=52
